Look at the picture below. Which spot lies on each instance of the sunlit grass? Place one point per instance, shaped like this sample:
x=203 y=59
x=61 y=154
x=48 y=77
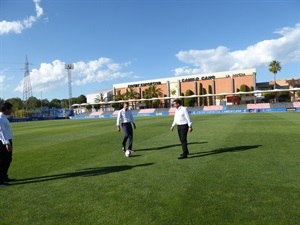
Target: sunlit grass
x=243 y=169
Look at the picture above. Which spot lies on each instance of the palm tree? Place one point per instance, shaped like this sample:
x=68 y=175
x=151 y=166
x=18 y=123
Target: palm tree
x=99 y=98
x=119 y=96
x=153 y=92
x=274 y=67
x=131 y=94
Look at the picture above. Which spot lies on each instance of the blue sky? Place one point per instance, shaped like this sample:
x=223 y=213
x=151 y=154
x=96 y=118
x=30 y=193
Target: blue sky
x=116 y=41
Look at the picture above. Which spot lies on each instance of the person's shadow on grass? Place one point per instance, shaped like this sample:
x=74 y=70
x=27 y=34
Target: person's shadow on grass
x=224 y=150
x=79 y=173
x=167 y=146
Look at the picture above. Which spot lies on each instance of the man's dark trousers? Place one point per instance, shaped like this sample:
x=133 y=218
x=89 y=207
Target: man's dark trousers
x=128 y=134
x=5 y=160
x=182 y=133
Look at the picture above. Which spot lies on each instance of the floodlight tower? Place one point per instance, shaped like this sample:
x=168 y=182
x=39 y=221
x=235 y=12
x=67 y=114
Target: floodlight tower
x=69 y=67
x=27 y=91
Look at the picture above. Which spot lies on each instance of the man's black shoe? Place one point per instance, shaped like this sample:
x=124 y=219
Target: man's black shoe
x=182 y=157
x=10 y=179
x=5 y=183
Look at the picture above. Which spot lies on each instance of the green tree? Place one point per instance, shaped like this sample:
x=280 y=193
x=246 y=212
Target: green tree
x=55 y=103
x=118 y=96
x=18 y=105
x=45 y=103
x=189 y=101
x=204 y=92
x=284 y=96
x=244 y=88
x=80 y=99
x=16 y=102
x=274 y=67
x=210 y=98
x=100 y=98
x=64 y=103
x=132 y=94
x=201 y=102
x=33 y=103
x=153 y=92
x=268 y=96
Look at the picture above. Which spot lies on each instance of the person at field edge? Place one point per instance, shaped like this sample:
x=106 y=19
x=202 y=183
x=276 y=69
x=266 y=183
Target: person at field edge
x=5 y=143
x=125 y=119
x=184 y=125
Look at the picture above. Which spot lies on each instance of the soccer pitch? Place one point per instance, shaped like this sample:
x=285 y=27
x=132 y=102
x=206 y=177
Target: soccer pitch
x=242 y=169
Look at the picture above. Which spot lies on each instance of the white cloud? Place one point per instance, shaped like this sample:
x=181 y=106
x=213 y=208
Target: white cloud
x=53 y=75
x=18 y=26
x=100 y=70
x=2 y=79
x=3 y=84
x=284 y=49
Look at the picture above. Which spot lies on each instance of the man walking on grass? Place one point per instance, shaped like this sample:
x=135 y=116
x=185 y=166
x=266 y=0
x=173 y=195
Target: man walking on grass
x=125 y=119
x=184 y=125
x=5 y=143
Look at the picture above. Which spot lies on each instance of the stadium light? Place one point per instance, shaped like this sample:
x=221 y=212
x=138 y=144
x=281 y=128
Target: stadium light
x=69 y=67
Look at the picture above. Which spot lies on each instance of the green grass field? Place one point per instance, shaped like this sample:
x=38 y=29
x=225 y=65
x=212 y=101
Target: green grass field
x=243 y=169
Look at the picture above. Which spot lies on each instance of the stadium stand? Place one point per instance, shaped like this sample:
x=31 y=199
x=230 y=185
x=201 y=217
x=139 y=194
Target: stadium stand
x=83 y=114
x=96 y=113
x=212 y=108
x=161 y=110
x=236 y=107
x=171 y=111
x=135 y=111
x=151 y=110
x=107 y=112
x=259 y=106
x=281 y=105
x=296 y=104
x=196 y=108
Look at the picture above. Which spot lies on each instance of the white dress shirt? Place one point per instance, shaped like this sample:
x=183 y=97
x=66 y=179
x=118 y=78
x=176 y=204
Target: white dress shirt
x=182 y=117
x=124 y=116
x=5 y=130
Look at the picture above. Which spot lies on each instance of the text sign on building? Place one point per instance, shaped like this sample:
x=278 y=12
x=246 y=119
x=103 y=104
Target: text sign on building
x=233 y=99
x=143 y=84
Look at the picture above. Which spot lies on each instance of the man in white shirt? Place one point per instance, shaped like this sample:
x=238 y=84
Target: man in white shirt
x=125 y=119
x=184 y=124
x=5 y=143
